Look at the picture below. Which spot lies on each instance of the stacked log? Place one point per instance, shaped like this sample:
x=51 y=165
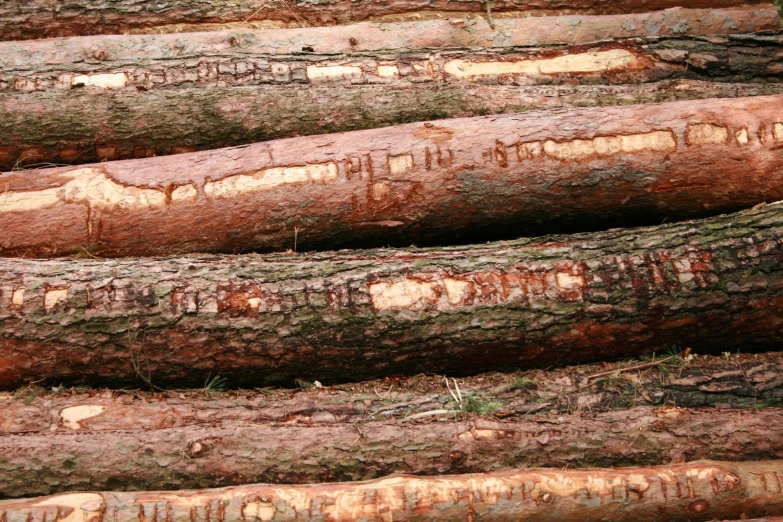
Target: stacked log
x=694 y=491
x=244 y=142
x=465 y=180
x=666 y=411
x=117 y=97
x=49 y=18
x=714 y=284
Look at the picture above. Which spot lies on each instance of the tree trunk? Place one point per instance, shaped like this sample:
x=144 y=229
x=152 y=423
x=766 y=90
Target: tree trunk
x=173 y=440
x=716 y=284
x=694 y=492
x=452 y=181
x=77 y=127
x=49 y=18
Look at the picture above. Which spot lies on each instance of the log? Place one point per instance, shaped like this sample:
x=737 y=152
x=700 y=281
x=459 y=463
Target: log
x=52 y=442
x=78 y=100
x=52 y=18
x=77 y=127
x=694 y=492
x=715 y=284
x=354 y=39
x=60 y=107
x=452 y=181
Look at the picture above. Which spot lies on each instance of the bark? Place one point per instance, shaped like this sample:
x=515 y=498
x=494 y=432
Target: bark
x=453 y=181
x=51 y=18
x=142 y=441
x=697 y=491
x=714 y=285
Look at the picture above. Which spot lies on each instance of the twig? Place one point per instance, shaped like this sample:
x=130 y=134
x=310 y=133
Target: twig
x=637 y=367
x=136 y=362
x=375 y=389
x=458 y=396
x=88 y=253
x=429 y=414
x=489 y=15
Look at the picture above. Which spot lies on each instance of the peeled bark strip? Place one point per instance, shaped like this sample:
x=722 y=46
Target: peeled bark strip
x=71 y=442
x=698 y=491
x=50 y=18
x=454 y=180
x=715 y=285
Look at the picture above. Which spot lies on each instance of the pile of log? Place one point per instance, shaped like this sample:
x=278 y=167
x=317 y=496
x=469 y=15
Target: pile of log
x=269 y=260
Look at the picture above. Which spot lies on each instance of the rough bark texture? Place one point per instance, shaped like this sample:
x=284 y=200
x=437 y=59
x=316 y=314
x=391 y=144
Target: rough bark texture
x=21 y=20
x=77 y=127
x=698 y=491
x=716 y=284
x=454 y=180
x=142 y=441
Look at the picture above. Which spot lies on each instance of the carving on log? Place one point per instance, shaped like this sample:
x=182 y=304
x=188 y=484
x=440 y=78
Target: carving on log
x=715 y=284
x=619 y=61
x=455 y=179
x=695 y=492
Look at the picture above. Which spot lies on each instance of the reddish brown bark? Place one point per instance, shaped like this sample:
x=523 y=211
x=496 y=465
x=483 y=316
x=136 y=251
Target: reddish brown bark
x=48 y=18
x=143 y=441
x=714 y=284
x=694 y=492
x=454 y=180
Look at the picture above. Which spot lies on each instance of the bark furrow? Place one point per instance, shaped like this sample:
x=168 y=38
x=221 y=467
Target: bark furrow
x=450 y=181
x=715 y=284
x=698 y=491
x=21 y=20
